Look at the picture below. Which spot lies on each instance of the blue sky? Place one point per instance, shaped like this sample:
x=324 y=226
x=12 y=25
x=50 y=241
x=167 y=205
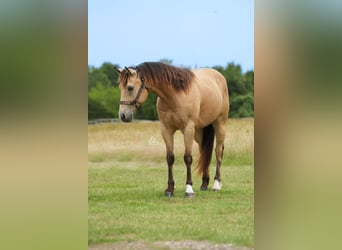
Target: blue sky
x=193 y=33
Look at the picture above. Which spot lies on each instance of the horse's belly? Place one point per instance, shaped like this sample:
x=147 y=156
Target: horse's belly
x=205 y=118
x=210 y=109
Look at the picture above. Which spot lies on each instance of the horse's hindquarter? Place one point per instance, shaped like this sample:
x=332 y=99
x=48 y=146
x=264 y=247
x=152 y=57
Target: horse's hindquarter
x=213 y=96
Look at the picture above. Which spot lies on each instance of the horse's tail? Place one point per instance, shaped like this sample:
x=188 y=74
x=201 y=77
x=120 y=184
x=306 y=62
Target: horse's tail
x=206 y=149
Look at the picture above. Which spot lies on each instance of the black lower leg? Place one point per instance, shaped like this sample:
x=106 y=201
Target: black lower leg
x=170 y=158
x=205 y=181
x=188 y=162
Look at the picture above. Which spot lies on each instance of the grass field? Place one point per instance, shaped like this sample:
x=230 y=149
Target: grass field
x=128 y=174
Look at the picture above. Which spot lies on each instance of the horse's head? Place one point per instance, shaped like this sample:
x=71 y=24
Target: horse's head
x=133 y=92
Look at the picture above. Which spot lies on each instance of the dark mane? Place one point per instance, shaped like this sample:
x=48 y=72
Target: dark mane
x=160 y=73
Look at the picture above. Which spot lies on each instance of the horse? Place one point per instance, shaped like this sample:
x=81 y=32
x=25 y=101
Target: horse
x=195 y=101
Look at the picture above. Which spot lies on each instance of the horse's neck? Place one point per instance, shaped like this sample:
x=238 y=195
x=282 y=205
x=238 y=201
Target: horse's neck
x=165 y=93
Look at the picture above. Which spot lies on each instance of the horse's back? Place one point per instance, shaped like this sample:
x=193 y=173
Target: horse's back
x=208 y=74
x=214 y=95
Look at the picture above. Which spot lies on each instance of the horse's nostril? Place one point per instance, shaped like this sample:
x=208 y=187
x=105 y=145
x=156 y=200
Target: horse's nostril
x=122 y=116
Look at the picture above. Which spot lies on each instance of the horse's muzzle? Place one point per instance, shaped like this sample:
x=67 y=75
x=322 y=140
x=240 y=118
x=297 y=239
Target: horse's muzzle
x=125 y=116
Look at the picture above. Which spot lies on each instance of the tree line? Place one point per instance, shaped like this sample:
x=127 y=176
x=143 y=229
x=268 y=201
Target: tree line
x=104 y=93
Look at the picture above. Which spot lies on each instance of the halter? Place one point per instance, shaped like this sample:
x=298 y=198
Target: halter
x=135 y=101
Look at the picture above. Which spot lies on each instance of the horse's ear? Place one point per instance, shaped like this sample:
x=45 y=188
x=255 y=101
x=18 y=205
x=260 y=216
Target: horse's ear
x=129 y=71
x=117 y=70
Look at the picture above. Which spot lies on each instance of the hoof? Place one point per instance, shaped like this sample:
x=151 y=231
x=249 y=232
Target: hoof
x=190 y=195
x=217 y=185
x=204 y=188
x=168 y=194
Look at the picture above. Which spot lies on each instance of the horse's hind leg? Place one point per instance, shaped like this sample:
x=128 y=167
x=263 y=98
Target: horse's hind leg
x=205 y=176
x=220 y=132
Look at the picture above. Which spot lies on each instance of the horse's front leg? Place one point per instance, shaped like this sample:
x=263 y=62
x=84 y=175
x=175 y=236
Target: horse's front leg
x=170 y=158
x=188 y=141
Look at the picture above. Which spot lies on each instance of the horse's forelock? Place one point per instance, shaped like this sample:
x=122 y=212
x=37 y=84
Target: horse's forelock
x=125 y=74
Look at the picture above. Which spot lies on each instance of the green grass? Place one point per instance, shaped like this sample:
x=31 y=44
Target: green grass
x=126 y=185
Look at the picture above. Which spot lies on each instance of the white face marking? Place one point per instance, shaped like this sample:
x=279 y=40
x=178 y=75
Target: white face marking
x=217 y=185
x=189 y=189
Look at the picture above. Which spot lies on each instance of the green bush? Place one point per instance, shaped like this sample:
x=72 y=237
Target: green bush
x=103 y=102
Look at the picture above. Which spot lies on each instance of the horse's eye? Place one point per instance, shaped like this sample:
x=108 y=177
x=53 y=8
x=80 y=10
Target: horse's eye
x=130 y=88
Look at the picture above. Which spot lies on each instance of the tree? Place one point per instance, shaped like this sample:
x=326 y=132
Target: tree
x=96 y=76
x=166 y=61
x=241 y=90
x=235 y=79
x=96 y=110
x=108 y=69
x=242 y=106
x=249 y=81
x=104 y=100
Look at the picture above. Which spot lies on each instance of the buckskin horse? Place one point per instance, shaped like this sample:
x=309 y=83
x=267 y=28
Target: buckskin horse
x=196 y=102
